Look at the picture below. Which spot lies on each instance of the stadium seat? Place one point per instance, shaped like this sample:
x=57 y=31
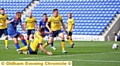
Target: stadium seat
x=91 y=16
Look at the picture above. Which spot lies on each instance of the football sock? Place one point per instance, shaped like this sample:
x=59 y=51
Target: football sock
x=70 y=41
x=6 y=42
x=25 y=52
x=24 y=48
x=63 y=45
x=28 y=41
x=17 y=46
x=45 y=45
x=52 y=44
x=23 y=41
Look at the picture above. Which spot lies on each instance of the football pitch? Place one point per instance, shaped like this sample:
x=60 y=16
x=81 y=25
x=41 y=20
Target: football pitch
x=83 y=54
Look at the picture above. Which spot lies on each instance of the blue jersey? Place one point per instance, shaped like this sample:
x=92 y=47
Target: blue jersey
x=12 y=27
x=118 y=36
x=43 y=24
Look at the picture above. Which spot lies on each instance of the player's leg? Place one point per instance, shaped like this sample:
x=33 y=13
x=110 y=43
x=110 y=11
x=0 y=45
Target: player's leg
x=52 y=44
x=28 y=42
x=24 y=48
x=22 y=39
x=70 y=39
x=61 y=35
x=30 y=51
x=1 y=32
x=48 y=36
x=71 y=42
x=6 y=38
x=32 y=34
x=51 y=39
x=6 y=41
x=67 y=37
x=49 y=42
x=15 y=39
x=28 y=36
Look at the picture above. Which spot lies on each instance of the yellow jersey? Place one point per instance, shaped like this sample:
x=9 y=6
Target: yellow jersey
x=3 y=19
x=30 y=22
x=70 y=22
x=55 y=22
x=38 y=39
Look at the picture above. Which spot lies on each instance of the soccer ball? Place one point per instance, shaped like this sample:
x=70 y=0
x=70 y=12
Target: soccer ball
x=115 y=46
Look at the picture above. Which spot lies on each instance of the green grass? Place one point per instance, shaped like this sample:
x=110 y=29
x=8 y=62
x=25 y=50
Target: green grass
x=83 y=54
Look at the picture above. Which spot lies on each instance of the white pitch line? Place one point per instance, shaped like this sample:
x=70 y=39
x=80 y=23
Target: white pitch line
x=100 y=61
x=33 y=56
x=93 y=60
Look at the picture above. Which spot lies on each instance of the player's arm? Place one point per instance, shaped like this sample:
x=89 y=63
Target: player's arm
x=115 y=36
x=36 y=25
x=63 y=26
x=43 y=49
x=36 y=22
x=25 y=25
x=22 y=26
x=72 y=27
x=47 y=32
x=9 y=21
x=66 y=26
x=47 y=25
x=40 y=24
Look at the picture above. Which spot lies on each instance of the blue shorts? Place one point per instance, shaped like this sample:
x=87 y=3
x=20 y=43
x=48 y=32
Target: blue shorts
x=3 y=31
x=30 y=50
x=14 y=35
x=55 y=33
x=46 y=35
x=29 y=32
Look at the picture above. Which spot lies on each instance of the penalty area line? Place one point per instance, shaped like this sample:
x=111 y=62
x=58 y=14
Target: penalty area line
x=53 y=56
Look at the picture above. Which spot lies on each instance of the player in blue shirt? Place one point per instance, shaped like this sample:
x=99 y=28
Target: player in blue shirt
x=42 y=24
x=12 y=30
x=117 y=36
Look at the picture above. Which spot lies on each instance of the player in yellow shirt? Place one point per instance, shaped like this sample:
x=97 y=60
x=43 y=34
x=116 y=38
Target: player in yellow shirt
x=35 y=44
x=30 y=24
x=55 y=23
x=70 y=26
x=3 y=26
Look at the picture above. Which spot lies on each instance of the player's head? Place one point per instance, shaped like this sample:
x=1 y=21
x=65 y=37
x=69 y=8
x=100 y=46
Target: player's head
x=45 y=17
x=55 y=12
x=69 y=15
x=18 y=14
x=41 y=31
x=2 y=11
x=30 y=14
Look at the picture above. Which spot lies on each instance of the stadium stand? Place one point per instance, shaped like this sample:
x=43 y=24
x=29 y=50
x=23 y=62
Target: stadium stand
x=12 y=6
x=91 y=16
